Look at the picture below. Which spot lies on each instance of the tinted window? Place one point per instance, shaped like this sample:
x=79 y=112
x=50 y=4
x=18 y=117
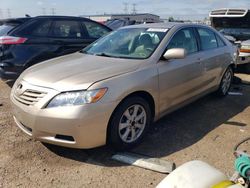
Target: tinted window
x=220 y=42
x=95 y=30
x=184 y=38
x=115 y=24
x=66 y=29
x=36 y=28
x=4 y=29
x=41 y=29
x=208 y=40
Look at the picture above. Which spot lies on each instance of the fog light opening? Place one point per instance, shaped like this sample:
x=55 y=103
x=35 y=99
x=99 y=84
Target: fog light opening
x=65 y=137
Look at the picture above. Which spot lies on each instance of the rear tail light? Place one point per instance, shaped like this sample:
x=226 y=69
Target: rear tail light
x=12 y=40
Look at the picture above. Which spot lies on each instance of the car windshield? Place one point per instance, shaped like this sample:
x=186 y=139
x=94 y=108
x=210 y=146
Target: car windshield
x=131 y=43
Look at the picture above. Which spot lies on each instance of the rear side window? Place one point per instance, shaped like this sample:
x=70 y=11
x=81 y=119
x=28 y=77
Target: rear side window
x=184 y=38
x=38 y=28
x=66 y=29
x=208 y=39
x=4 y=29
x=42 y=29
x=95 y=30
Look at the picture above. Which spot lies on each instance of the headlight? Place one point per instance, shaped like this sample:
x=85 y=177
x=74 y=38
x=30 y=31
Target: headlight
x=245 y=46
x=74 y=98
x=245 y=49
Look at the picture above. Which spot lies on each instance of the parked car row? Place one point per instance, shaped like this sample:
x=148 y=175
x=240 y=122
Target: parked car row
x=27 y=41
x=110 y=92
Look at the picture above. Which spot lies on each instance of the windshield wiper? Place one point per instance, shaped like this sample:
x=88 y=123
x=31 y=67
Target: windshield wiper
x=103 y=54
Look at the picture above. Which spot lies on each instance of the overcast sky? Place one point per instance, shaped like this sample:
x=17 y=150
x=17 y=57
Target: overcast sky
x=189 y=9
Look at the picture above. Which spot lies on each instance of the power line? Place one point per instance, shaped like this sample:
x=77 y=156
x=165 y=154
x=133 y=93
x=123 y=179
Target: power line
x=134 y=10
x=44 y=11
x=9 y=13
x=125 y=8
x=1 y=14
x=53 y=11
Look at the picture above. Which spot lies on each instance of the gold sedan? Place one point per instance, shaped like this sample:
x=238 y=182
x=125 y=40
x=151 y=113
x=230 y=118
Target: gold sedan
x=112 y=91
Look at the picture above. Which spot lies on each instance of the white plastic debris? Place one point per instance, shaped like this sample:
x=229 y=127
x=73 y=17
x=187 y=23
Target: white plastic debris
x=154 y=164
x=235 y=93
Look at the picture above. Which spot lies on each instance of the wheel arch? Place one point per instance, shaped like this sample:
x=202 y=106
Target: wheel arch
x=143 y=94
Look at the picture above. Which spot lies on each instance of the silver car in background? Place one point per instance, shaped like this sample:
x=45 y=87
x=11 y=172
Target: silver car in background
x=111 y=91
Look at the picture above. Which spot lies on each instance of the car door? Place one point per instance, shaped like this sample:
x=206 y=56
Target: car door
x=180 y=79
x=213 y=56
x=67 y=36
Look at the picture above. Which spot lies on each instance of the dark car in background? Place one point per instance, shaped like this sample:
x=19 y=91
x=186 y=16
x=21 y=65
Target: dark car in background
x=115 y=24
x=27 y=41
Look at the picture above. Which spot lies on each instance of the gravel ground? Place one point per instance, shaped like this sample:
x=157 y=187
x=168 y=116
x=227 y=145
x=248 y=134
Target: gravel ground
x=206 y=130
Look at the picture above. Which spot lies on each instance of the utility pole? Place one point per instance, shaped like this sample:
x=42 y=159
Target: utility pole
x=125 y=8
x=44 y=11
x=134 y=8
x=53 y=11
x=9 y=13
x=1 y=14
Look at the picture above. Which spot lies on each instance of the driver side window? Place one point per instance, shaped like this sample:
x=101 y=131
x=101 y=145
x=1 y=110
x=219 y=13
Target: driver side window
x=184 y=38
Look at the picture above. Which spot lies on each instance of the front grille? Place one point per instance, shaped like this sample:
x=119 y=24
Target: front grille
x=29 y=97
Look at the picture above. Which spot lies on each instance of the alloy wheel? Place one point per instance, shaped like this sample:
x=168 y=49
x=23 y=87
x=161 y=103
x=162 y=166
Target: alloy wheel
x=226 y=81
x=132 y=123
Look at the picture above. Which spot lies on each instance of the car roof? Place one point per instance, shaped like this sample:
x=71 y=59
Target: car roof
x=24 y=19
x=167 y=25
x=61 y=17
x=15 y=20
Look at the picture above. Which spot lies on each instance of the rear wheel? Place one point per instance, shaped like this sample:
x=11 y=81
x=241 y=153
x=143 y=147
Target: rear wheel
x=129 y=123
x=226 y=82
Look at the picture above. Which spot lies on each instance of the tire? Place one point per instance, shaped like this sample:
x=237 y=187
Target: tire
x=247 y=68
x=226 y=82
x=125 y=130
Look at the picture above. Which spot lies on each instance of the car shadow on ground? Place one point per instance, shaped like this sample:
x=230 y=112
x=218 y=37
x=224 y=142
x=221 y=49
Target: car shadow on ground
x=189 y=125
x=175 y=131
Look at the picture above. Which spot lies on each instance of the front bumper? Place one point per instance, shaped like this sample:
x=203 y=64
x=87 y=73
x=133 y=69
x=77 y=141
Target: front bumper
x=76 y=127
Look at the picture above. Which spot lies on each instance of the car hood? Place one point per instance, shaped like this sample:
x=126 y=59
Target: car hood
x=77 y=71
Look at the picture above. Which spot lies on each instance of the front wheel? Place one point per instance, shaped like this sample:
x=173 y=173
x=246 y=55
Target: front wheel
x=226 y=82
x=129 y=123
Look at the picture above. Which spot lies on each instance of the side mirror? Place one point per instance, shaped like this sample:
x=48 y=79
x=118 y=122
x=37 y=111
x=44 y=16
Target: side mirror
x=175 y=53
